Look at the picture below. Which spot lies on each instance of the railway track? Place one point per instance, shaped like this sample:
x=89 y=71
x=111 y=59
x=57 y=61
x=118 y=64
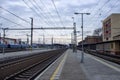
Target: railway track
x=106 y=56
x=28 y=68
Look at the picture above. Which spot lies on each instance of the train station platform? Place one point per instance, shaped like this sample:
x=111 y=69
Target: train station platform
x=69 y=67
x=10 y=55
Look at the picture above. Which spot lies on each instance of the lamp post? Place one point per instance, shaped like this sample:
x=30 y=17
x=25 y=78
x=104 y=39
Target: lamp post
x=82 y=56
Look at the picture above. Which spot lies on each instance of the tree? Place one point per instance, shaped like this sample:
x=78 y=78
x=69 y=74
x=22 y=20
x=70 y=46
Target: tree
x=97 y=32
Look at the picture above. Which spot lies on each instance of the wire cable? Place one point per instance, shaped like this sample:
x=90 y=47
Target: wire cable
x=57 y=13
x=51 y=17
x=37 y=7
x=34 y=11
x=12 y=21
x=15 y=15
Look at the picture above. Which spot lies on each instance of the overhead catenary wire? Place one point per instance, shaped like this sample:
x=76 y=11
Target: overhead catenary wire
x=108 y=11
x=34 y=11
x=57 y=13
x=97 y=12
x=11 y=21
x=15 y=15
x=115 y=4
x=51 y=17
x=40 y=10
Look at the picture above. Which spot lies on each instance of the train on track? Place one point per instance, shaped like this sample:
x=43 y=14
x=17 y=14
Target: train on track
x=14 y=46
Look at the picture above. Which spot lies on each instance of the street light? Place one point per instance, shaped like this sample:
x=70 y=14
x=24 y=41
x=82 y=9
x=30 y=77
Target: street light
x=82 y=56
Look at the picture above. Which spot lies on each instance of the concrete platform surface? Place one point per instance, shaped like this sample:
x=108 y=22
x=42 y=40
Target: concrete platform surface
x=99 y=69
x=20 y=53
x=68 y=67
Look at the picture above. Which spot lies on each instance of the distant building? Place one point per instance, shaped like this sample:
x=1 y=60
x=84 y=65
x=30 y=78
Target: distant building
x=111 y=33
x=12 y=41
x=111 y=27
x=9 y=41
x=93 y=39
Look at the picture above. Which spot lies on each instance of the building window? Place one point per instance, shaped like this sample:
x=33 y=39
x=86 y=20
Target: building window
x=112 y=45
x=106 y=38
x=119 y=45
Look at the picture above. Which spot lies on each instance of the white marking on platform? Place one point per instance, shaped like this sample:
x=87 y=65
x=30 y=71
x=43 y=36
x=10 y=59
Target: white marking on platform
x=111 y=66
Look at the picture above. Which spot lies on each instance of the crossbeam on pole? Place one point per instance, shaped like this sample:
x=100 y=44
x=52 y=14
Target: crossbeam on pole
x=41 y=28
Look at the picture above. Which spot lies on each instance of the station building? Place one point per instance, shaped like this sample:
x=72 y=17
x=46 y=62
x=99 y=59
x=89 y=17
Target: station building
x=111 y=28
x=110 y=42
x=111 y=33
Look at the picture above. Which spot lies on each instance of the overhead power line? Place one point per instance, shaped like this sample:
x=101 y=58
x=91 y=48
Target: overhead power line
x=33 y=10
x=51 y=16
x=98 y=11
x=36 y=12
x=12 y=21
x=57 y=13
x=14 y=15
x=39 y=9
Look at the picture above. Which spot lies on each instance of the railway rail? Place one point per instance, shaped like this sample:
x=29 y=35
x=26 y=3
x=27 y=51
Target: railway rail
x=28 y=68
x=106 y=56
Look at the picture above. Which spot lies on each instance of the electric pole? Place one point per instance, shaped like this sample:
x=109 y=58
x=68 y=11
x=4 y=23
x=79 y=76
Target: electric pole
x=27 y=38
x=4 y=29
x=75 y=38
x=31 y=32
x=52 y=42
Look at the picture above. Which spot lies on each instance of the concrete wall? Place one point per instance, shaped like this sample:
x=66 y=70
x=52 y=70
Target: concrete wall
x=115 y=23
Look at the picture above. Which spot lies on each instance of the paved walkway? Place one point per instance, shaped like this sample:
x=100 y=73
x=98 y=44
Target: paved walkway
x=72 y=69
x=20 y=53
x=67 y=67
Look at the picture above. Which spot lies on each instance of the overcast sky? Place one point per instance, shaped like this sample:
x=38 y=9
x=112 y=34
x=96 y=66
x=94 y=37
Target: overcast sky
x=46 y=14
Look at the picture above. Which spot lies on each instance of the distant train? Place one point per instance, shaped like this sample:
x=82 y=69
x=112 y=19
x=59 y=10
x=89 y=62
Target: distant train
x=14 y=46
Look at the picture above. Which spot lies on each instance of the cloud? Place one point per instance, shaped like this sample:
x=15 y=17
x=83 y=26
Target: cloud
x=47 y=16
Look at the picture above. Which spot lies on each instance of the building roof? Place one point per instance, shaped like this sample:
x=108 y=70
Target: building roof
x=110 y=16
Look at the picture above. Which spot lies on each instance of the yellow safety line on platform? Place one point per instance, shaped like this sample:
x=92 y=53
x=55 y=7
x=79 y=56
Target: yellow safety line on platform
x=59 y=66
x=113 y=67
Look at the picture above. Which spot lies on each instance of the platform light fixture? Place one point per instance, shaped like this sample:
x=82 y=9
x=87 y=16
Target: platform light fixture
x=76 y=13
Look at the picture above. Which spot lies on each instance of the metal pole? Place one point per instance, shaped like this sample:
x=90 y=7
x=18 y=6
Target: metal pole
x=75 y=38
x=27 y=39
x=71 y=41
x=31 y=32
x=82 y=56
x=43 y=39
x=0 y=38
x=4 y=40
x=52 y=42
